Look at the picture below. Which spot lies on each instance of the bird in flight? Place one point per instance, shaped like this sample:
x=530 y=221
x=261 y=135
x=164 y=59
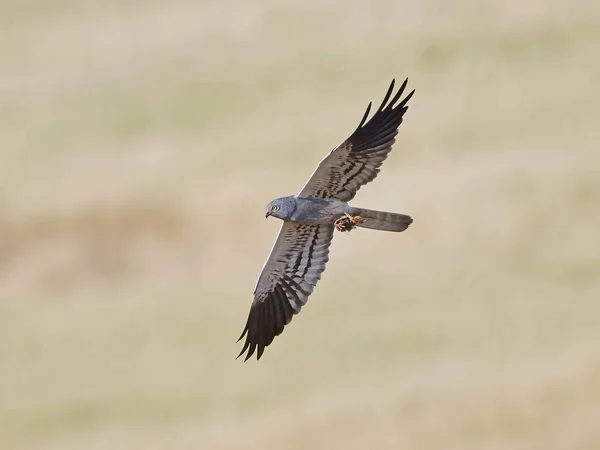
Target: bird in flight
x=301 y=249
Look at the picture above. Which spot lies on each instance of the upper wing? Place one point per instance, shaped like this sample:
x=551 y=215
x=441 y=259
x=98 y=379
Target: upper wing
x=289 y=276
x=356 y=161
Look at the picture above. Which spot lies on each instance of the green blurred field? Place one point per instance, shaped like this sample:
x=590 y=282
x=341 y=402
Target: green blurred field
x=139 y=144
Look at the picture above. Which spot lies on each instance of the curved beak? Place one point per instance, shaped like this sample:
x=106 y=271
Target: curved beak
x=267 y=214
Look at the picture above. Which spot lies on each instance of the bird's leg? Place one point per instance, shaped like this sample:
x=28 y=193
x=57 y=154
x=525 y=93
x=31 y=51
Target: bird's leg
x=355 y=219
x=342 y=224
x=348 y=222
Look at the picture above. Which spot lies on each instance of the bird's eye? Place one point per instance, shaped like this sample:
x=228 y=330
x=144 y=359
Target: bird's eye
x=274 y=208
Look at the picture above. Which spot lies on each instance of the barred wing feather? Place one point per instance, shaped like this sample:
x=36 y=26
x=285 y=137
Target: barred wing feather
x=357 y=160
x=289 y=276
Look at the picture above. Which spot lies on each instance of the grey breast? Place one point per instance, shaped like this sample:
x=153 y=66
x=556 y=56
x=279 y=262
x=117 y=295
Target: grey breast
x=317 y=210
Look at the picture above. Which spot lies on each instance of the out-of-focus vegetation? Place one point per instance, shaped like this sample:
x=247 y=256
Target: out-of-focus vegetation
x=139 y=144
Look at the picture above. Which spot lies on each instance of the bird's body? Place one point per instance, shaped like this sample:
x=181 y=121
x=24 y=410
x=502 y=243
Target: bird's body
x=310 y=218
x=326 y=211
x=308 y=210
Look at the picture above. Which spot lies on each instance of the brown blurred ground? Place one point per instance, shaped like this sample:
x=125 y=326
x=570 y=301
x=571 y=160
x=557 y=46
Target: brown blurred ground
x=139 y=144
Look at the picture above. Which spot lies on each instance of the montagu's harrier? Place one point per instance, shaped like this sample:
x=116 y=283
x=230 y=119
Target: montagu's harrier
x=301 y=250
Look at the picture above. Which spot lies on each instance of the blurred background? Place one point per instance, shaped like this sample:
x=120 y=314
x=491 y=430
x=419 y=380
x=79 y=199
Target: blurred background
x=140 y=142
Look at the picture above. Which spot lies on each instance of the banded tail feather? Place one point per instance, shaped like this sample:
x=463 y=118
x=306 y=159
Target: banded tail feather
x=381 y=220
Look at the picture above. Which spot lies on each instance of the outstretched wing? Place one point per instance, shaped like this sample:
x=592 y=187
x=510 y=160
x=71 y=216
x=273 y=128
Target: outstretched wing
x=288 y=277
x=356 y=161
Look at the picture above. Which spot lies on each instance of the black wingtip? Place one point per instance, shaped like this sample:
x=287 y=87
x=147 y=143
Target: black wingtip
x=404 y=83
x=244 y=348
x=243 y=333
x=272 y=311
x=250 y=344
x=251 y=351
x=387 y=95
x=364 y=119
x=408 y=97
x=383 y=125
x=391 y=104
x=385 y=104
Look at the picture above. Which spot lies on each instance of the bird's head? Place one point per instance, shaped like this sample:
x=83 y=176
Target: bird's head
x=282 y=208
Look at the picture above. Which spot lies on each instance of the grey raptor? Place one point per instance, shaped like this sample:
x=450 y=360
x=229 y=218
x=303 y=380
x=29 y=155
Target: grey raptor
x=301 y=250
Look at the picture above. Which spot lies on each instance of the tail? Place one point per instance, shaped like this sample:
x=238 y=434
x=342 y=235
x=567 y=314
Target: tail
x=379 y=220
